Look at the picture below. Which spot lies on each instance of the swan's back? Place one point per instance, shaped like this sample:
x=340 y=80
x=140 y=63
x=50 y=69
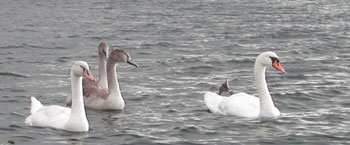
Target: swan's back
x=91 y=88
x=95 y=97
x=240 y=104
x=51 y=116
x=47 y=116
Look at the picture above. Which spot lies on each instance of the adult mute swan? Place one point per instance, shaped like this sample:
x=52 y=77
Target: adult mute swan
x=244 y=105
x=63 y=118
x=110 y=99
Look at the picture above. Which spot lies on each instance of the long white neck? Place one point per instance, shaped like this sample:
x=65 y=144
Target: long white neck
x=77 y=120
x=102 y=73
x=114 y=96
x=267 y=107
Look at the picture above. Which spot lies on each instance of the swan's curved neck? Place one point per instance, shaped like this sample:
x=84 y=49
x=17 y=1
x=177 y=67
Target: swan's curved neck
x=77 y=120
x=266 y=103
x=113 y=86
x=102 y=73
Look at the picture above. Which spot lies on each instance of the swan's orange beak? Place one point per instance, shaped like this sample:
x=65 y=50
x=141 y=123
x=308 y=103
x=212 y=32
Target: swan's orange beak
x=276 y=64
x=88 y=75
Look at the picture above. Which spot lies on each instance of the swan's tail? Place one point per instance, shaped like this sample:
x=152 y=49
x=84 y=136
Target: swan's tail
x=212 y=101
x=35 y=105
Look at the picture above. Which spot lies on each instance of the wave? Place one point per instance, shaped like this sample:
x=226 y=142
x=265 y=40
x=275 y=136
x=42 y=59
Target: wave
x=12 y=74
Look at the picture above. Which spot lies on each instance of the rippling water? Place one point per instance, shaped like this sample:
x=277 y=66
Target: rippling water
x=183 y=48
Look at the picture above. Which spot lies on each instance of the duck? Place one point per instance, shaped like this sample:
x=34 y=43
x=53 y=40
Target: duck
x=100 y=83
x=245 y=105
x=225 y=88
x=110 y=99
x=63 y=118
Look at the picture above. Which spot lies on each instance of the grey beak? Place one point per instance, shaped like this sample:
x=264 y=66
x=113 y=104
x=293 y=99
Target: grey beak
x=132 y=63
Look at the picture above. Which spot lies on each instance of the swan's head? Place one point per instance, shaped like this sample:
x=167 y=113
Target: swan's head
x=103 y=51
x=81 y=69
x=120 y=55
x=270 y=59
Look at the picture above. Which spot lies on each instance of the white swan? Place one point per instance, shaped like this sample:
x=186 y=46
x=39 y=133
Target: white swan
x=244 y=105
x=69 y=119
x=110 y=99
x=100 y=84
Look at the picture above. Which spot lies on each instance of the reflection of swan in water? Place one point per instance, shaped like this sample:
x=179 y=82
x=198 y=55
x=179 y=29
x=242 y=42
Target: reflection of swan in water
x=74 y=138
x=111 y=118
x=242 y=104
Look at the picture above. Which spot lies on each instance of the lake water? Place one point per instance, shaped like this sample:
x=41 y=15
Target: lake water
x=183 y=49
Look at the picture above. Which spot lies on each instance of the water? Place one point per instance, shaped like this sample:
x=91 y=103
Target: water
x=183 y=48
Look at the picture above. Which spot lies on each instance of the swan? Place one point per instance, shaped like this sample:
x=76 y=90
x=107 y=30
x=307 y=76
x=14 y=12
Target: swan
x=63 y=118
x=110 y=99
x=244 y=105
x=101 y=83
x=102 y=60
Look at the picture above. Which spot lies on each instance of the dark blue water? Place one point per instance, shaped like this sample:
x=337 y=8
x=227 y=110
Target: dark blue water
x=183 y=48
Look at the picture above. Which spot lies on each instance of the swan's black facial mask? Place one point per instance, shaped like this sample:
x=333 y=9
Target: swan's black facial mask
x=104 y=53
x=276 y=64
x=87 y=74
